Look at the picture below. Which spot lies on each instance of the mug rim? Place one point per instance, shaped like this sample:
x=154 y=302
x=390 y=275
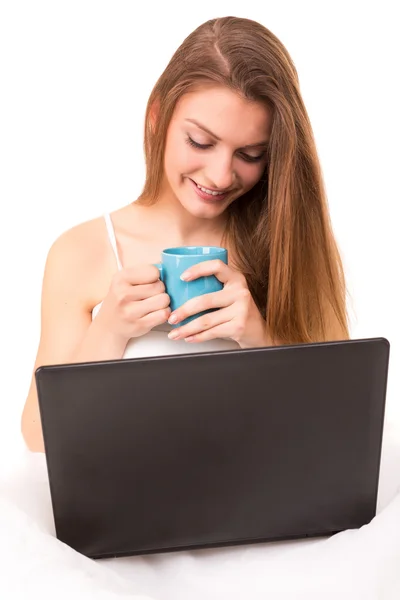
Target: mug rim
x=213 y=250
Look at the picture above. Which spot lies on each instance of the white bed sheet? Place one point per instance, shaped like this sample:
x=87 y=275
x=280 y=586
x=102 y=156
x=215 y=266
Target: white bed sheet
x=353 y=564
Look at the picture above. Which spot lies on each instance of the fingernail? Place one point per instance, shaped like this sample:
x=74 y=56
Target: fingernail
x=173 y=319
x=186 y=275
x=173 y=335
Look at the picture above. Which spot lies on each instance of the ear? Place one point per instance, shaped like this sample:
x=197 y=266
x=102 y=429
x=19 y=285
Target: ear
x=154 y=113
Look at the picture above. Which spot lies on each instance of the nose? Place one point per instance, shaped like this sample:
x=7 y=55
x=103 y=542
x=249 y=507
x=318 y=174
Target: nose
x=220 y=173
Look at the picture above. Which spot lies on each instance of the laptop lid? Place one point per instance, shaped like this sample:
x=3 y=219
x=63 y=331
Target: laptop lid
x=211 y=449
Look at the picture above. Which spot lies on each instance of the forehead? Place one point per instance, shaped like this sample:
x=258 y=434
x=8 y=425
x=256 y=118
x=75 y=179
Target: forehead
x=229 y=116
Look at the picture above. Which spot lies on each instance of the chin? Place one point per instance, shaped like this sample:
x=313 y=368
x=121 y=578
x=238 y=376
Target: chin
x=204 y=210
x=198 y=207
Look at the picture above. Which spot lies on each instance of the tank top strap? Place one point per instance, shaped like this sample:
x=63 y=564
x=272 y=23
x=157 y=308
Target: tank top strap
x=112 y=238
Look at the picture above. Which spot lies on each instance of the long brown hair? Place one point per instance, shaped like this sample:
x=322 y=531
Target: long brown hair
x=280 y=229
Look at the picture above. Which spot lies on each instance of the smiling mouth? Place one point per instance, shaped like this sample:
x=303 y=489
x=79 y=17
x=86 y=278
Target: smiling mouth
x=210 y=191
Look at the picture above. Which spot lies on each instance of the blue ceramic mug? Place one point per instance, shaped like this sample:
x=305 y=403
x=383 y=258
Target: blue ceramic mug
x=177 y=260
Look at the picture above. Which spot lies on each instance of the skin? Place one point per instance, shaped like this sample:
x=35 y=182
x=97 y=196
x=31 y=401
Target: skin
x=80 y=270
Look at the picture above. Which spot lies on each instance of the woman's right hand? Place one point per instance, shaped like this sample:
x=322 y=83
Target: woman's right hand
x=135 y=303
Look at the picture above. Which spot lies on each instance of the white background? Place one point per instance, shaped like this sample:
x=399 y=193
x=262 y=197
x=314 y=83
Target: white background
x=75 y=78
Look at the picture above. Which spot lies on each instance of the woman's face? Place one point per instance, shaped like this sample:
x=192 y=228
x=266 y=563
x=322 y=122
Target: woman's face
x=218 y=141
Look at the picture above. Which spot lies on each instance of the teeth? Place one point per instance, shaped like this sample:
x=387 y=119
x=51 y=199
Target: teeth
x=208 y=191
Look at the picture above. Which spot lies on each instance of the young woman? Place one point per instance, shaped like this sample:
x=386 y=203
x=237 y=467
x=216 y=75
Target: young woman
x=231 y=161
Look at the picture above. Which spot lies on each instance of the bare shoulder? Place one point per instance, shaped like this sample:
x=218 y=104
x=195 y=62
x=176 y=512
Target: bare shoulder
x=82 y=241
x=81 y=258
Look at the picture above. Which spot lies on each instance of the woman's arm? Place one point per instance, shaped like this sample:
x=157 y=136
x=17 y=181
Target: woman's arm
x=67 y=331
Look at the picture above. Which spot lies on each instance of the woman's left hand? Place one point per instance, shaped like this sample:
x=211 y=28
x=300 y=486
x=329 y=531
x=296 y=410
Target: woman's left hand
x=238 y=317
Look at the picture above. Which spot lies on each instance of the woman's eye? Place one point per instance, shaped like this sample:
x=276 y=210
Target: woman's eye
x=245 y=157
x=248 y=158
x=196 y=145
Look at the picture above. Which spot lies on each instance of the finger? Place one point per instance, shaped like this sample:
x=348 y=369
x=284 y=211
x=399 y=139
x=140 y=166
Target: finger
x=203 y=323
x=138 y=310
x=141 y=274
x=220 y=299
x=209 y=267
x=142 y=292
x=224 y=330
x=156 y=318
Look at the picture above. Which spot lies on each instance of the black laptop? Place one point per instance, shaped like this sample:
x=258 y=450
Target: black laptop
x=216 y=448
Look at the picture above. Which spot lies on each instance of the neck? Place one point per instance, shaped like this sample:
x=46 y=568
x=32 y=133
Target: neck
x=171 y=221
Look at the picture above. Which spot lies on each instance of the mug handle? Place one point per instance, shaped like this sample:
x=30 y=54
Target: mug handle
x=160 y=268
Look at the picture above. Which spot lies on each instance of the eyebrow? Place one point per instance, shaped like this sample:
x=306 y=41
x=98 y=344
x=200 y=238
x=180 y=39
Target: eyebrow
x=247 y=147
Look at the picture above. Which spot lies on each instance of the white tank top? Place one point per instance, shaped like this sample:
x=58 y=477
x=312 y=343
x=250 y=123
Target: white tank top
x=156 y=341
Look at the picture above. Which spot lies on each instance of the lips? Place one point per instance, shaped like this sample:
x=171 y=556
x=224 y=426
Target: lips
x=211 y=189
x=210 y=198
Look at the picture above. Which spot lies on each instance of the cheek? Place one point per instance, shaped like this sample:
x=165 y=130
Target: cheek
x=251 y=174
x=169 y=155
x=179 y=159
